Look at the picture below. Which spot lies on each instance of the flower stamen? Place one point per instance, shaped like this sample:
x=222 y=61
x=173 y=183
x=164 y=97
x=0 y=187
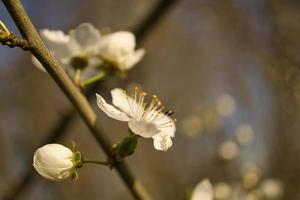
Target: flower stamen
x=151 y=112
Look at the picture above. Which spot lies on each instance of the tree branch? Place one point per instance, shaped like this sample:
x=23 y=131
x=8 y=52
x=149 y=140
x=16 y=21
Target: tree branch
x=11 y=40
x=39 y=50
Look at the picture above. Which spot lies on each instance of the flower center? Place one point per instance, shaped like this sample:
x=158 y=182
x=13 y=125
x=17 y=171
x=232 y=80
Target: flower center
x=79 y=62
x=151 y=113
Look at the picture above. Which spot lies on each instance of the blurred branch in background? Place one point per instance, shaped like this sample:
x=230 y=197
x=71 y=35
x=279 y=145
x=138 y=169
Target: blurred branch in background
x=54 y=135
x=279 y=37
x=283 y=58
x=141 y=31
x=158 y=11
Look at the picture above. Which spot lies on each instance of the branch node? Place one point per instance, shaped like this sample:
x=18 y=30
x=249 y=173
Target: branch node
x=11 y=40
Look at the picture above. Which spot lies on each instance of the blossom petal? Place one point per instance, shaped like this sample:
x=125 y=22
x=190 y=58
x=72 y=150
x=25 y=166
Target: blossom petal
x=115 y=46
x=59 y=155
x=124 y=102
x=55 y=36
x=165 y=124
x=86 y=36
x=92 y=69
x=110 y=110
x=129 y=61
x=123 y=42
x=162 y=142
x=42 y=171
x=54 y=174
x=37 y=63
x=57 y=41
x=143 y=128
x=203 y=191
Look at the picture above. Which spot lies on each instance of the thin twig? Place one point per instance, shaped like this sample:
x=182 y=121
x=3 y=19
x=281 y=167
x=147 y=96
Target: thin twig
x=39 y=50
x=141 y=31
x=12 y=40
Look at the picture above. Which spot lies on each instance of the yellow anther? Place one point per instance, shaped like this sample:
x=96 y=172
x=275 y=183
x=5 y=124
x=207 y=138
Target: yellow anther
x=169 y=112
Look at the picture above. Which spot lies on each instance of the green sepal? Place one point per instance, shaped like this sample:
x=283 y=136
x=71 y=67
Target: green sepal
x=74 y=175
x=188 y=195
x=77 y=159
x=127 y=146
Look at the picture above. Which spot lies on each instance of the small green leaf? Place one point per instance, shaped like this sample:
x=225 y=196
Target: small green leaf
x=127 y=146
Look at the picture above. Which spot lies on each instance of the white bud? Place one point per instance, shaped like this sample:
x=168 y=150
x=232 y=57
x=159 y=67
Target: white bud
x=54 y=162
x=203 y=191
x=119 y=49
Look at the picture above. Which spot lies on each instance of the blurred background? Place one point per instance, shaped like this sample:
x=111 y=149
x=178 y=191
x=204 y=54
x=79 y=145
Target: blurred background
x=229 y=69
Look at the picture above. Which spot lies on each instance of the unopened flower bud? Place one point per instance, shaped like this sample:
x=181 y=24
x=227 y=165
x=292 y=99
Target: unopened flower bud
x=55 y=162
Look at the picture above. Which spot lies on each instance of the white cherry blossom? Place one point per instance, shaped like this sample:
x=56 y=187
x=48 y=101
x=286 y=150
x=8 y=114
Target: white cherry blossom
x=78 y=49
x=54 y=162
x=203 y=191
x=144 y=120
x=119 y=49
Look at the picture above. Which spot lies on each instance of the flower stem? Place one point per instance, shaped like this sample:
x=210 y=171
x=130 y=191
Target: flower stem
x=96 y=162
x=93 y=79
x=77 y=77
